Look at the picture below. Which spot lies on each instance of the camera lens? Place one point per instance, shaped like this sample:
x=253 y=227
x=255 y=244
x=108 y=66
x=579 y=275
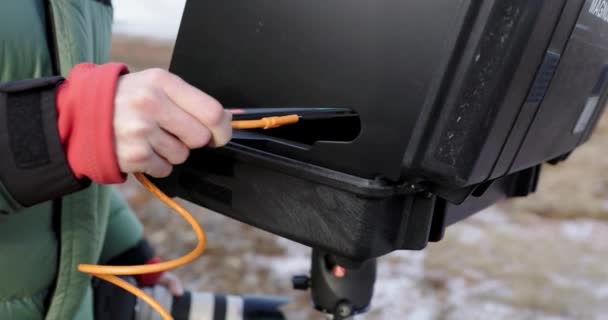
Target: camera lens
x=210 y=306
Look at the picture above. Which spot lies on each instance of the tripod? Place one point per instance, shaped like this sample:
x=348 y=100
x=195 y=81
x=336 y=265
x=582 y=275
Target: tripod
x=339 y=292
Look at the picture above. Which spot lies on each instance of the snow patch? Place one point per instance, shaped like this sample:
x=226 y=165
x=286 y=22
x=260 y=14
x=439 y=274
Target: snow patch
x=491 y=215
x=469 y=234
x=578 y=230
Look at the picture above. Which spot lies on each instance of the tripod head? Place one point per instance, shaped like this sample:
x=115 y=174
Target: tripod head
x=335 y=290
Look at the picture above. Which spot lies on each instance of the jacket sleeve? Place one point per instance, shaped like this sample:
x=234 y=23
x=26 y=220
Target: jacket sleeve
x=33 y=165
x=57 y=135
x=125 y=243
x=124 y=233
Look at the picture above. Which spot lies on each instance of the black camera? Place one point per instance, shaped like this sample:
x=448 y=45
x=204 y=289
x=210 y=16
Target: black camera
x=452 y=105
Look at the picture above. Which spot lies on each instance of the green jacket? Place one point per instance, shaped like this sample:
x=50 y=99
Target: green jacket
x=42 y=244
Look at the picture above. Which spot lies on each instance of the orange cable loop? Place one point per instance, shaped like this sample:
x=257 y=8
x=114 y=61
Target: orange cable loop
x=111 y=273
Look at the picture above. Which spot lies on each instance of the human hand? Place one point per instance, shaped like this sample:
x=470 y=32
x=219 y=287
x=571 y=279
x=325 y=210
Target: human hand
x=172 y=283
x=159 y=118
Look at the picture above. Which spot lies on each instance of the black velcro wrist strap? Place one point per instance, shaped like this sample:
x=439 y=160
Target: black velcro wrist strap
x=33 y=165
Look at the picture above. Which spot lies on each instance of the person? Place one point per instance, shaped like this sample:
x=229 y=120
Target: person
x=72 y=125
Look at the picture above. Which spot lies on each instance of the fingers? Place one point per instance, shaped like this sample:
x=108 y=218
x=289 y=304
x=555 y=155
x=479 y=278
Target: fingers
x=184 y=126
x=158 y=118
x=142 y=157
x=172 y=283
x=157 y=166
x=223 y=132
x=168 y=147
x=201 y=106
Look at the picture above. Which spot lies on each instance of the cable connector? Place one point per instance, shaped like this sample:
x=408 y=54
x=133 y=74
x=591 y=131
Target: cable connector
x=266 y=123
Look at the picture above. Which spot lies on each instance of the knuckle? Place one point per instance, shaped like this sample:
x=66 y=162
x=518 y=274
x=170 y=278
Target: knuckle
x=141 y=131
x=199 y=140
x=146 y=99
x=164 y=117
x=157 y=74
x=215 y=113
x=139 y=155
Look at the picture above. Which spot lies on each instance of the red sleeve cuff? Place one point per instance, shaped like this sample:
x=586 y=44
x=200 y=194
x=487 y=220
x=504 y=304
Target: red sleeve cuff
x=149 y=279
x=85 y=108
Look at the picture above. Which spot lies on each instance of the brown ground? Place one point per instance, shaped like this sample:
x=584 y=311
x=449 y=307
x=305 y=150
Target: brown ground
x=542 y=257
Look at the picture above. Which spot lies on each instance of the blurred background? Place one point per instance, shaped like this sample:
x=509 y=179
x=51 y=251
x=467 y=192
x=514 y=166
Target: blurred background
x=542 y=257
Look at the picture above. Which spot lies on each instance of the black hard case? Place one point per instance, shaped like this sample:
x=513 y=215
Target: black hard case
x=459 y=103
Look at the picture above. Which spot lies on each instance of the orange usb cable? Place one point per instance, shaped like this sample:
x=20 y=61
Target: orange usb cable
x=111 y=273
x=266 y=123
